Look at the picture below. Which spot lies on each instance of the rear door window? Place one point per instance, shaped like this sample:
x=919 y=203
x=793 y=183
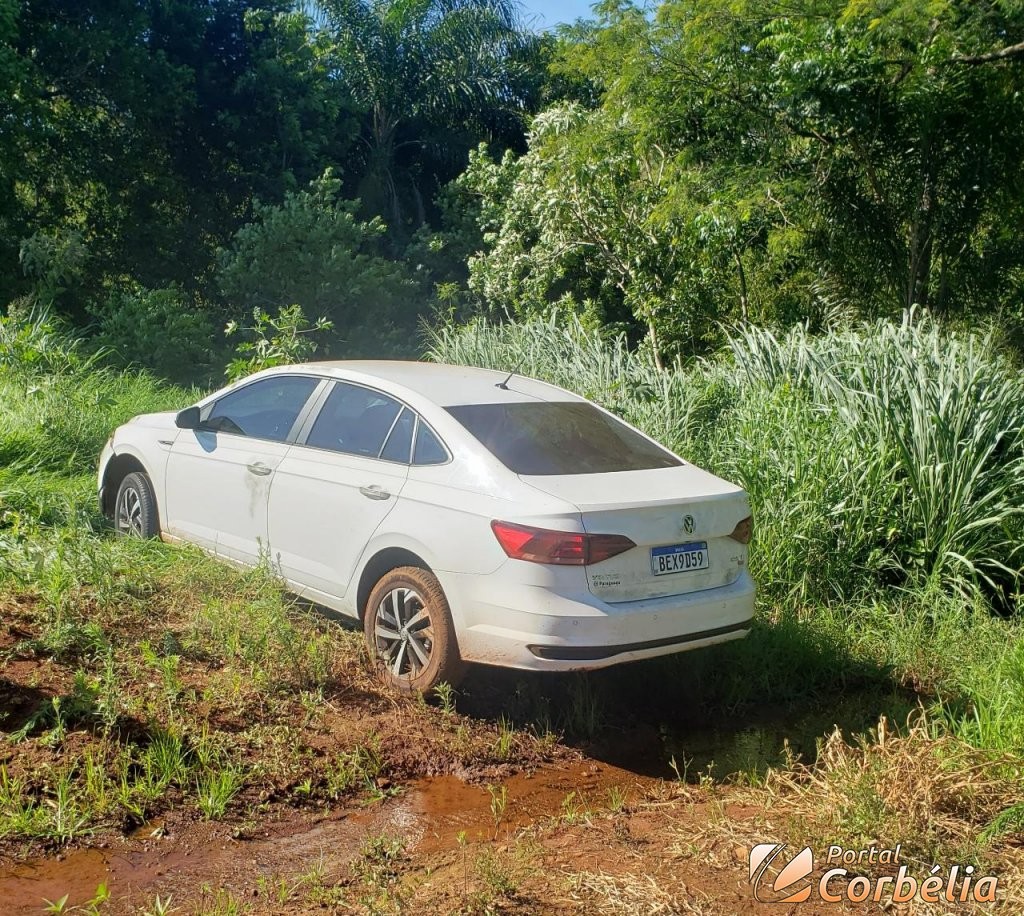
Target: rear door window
x=560 y=437
x=399 y=443
x=354 y=420
x=266 y=409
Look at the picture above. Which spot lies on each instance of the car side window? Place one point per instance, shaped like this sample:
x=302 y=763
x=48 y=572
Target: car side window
x=266 y=409
x=354 y=420
x=399 y=444
x=429 y=449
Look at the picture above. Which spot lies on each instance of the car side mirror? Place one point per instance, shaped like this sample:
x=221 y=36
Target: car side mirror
x=188 y=419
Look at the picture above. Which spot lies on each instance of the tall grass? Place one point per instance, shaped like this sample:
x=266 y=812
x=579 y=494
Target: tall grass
x=33 y=344
x=889 y=454
x=935 y=422
x=59 y=406
x=600 y=367
x=885 y=465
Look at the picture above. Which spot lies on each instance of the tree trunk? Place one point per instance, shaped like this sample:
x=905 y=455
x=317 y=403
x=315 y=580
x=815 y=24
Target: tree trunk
x=943 y=293
x=744 y=310
x=919 y=266
x=421 y=210
x=919 y=275
x=382 y=158
x=654 y=343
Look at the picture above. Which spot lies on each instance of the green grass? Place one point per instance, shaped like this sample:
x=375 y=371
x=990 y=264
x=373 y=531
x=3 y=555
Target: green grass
x=885 y=466
x=170 y=683
x=143 y=660
x=153 y=681
x=215 y=789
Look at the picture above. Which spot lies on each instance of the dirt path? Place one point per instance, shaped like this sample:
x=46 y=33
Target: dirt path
x=428 y=816
x=578 y=837
x=349 y=800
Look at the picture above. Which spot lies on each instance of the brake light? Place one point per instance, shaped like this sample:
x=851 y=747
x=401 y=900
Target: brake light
x=561 y=548
x=744 y=530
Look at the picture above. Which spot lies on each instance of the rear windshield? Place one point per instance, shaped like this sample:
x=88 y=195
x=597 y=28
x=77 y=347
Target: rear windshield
x=561 y=437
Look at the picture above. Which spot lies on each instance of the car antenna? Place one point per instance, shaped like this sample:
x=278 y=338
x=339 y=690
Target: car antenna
x=503 y=385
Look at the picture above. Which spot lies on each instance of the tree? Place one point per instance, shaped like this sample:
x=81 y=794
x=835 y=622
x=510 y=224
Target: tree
x=594 y=222
x=147 y=129
x=772 y=161
x=433 y=78
x=889 y=151
x=313 y=252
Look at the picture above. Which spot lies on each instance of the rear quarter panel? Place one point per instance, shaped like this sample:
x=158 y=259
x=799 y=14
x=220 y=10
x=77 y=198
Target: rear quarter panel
x=444 y=516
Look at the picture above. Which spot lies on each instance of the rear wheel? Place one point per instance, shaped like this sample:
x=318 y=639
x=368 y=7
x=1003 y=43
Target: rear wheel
x=409 y=631
x=135 y=512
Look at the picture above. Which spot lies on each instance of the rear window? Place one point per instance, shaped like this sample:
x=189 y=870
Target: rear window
x=561 y=437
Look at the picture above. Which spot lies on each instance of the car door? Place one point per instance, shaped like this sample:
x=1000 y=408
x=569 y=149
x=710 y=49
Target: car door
x=219 y=475
x=337 y=484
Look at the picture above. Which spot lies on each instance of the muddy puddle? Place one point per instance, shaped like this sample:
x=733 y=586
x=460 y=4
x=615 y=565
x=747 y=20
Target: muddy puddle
x=430 y=815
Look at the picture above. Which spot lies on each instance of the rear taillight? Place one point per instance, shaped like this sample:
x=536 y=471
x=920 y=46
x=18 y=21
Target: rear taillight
x=744 y=530
x=562 y=548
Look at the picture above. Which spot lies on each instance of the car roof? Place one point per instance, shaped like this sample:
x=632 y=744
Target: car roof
x=441 y=383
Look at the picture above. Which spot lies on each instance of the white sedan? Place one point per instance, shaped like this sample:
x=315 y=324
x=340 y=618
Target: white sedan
x=463 y=515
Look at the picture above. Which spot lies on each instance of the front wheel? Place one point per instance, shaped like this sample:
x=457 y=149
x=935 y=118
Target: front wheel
x=135 y=512
x=409 y=631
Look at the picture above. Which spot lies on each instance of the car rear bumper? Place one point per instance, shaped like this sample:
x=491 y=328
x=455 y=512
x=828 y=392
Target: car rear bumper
x=539 y=629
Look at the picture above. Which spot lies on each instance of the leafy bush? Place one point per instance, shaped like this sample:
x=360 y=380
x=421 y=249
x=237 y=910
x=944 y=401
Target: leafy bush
x=274 y=341
x=54 y=262
x=313 y=251
x=157 y=329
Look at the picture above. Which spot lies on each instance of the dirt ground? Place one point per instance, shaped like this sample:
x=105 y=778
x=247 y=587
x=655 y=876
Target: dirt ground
x=462 y=813
x=665 y=848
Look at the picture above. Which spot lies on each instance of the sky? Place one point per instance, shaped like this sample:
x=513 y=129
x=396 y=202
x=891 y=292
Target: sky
x=545 y=14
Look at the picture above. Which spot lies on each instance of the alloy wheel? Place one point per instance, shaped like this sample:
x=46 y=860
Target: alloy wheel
x=404 y=632
x=129 y=513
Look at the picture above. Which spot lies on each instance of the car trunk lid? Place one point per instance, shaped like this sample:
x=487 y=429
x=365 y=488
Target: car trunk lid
x=680 y=519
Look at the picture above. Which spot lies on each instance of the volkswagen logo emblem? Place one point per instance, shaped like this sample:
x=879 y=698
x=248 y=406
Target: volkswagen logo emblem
x=688 y=524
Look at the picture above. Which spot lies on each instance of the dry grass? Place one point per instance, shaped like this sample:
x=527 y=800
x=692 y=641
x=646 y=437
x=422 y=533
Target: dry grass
x=638 y=895
x=932 y=793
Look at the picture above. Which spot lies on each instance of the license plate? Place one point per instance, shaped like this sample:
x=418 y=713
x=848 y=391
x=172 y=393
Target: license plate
x=677 y=558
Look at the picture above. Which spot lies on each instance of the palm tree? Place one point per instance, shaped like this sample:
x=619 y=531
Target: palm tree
x=432 y=78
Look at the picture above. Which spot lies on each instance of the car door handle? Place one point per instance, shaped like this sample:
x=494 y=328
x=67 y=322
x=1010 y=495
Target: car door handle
x=259 y=469
x=374 y=492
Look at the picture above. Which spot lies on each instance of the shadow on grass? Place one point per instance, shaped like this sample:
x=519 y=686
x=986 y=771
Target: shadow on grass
x=19 y=704
x=730 y=710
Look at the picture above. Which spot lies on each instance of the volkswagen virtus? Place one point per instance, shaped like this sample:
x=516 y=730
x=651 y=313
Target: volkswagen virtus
x=461 y=514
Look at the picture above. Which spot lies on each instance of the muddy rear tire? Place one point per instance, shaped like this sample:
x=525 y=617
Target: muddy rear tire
x=409 y=632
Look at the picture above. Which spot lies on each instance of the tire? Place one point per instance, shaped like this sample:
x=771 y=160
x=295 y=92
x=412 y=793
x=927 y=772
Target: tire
x=415 y=660
x=135 y=513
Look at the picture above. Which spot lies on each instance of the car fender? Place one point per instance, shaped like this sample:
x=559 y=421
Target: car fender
x=151 y=455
